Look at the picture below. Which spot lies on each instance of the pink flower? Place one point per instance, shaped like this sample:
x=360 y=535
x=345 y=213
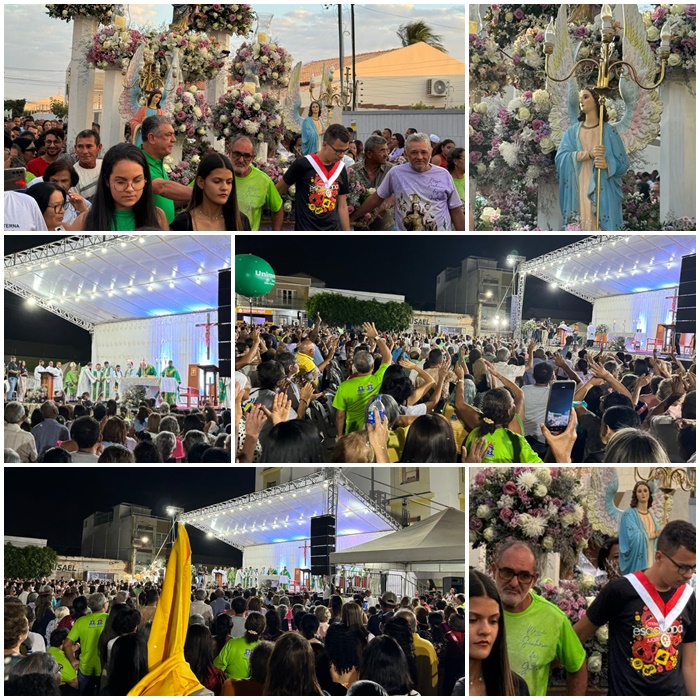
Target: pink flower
x=509 y=487
x=480 y=478
x=506 y=514
x=518 y=14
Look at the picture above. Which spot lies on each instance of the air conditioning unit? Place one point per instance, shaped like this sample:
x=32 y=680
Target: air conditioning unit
x=437 y=87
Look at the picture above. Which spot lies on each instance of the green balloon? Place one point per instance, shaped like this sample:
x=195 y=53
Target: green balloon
x=254 y=276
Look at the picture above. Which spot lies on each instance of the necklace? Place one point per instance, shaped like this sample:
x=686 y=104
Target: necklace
x=590 y=127
x=478 y=680
x=206 y=216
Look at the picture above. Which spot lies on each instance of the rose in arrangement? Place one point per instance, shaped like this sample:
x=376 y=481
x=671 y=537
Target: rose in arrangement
x=191 y=113
x=506 y=22
x=235 y=19
x=527 y=71
x=113 y=48
x=273 y=63
x=255 y=114
x=103 y=13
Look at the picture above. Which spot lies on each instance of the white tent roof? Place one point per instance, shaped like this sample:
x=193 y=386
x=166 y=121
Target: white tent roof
x=98 y=279
x=603 y=266
x=439 y=538
x=282 y=513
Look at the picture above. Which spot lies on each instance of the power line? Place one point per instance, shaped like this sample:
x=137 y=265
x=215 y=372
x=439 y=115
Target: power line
x=391 y=14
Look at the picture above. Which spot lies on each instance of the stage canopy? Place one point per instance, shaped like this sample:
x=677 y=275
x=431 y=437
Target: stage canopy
x=610 y=265
x=90 y=280
x=282 y=513
x=438 y=539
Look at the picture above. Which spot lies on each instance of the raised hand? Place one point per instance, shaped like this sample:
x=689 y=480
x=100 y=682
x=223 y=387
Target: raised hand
x=254 y=421
x=459 y=371
x=444 y=369
x=378 y=434
x=477 y=451
x=370 y=330
x=563 y=443
x=406 y=364
x=281 y=406
x=306 y=393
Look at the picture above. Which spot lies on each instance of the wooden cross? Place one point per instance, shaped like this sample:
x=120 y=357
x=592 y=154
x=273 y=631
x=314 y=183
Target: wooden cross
x=305 y=547
x=207 y=332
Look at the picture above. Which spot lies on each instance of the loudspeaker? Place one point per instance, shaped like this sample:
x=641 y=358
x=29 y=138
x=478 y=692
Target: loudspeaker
x=686 y=309
x=224 y=319
x=322 y=544
x=456 y=582
x=225 y=287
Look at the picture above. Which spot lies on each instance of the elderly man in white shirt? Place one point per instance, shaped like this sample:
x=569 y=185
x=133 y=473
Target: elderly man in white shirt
x=21 y=441
x=511 y=372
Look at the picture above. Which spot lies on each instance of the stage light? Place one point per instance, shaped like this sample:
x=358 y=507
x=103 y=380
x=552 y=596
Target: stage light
x=31 y=301
x=210 y=535
x=172 y=285
x=56 y=262
x=15 y=273
x=142 y=239
x=198 y=280
x=553 y=285
x=88 y=254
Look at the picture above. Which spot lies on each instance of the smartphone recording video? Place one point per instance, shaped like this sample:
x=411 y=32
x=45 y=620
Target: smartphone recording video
x=561 y=399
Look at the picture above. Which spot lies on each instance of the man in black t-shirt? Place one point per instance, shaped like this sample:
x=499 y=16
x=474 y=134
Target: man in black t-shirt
x=321 y=181
x=651 y=616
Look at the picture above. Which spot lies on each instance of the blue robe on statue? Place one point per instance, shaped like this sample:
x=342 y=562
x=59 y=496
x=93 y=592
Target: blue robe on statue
x=634 y=542
x=569 y=168
x=309 y=137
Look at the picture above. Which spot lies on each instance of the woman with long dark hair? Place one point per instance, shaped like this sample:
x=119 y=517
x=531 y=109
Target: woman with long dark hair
x=128 y=663
x=291 y=668
x=489 y=669
x=384 y=662
x=214 y=205
x=124 y=197
x=199 y=655
x=221 y=631
x=439 y=155
x=430 y=439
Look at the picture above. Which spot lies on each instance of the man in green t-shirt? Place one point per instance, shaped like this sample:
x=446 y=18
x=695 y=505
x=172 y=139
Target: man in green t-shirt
x=254 y=188
x=158 y=140
x=537 y=632
x=69 y=676
x=354 y=393
x=87 y=631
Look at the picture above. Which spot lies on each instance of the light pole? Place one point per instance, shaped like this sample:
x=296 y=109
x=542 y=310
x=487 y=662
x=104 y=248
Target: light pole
x=174 y=512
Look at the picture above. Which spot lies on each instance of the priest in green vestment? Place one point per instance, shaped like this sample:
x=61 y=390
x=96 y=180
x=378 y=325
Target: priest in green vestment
x=98 y=385
x=170 y=371
x=70 y=381
x=146 y=370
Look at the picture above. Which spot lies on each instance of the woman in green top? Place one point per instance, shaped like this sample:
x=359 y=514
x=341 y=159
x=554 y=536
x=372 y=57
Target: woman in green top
x=124 y=197
x=456 y=166
x=233 y=658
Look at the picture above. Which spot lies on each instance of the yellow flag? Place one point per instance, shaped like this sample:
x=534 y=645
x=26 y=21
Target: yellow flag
x=169 y=673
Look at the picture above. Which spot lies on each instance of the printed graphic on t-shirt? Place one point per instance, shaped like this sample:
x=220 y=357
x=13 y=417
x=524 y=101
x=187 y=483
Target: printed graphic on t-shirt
x=416 y=213
x=653 y=652
x=321 y=198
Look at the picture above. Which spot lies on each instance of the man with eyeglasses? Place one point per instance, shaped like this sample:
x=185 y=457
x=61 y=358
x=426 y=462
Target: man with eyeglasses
x=651 y=621
x=537 y=632
x=53 y=144
x=321 y=182
x=254 y=188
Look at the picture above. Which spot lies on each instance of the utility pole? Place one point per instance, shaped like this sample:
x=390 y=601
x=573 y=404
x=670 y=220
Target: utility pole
x=354 y=76
x=340 y=41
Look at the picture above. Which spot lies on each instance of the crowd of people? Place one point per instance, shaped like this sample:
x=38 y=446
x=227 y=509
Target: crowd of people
x=648 y=185
x=313 y=394
x=75 y=187
x=70 y=638
x=111 y=433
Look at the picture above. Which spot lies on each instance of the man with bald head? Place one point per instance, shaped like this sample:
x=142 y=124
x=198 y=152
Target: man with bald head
x=305 y=359
x=537 y=631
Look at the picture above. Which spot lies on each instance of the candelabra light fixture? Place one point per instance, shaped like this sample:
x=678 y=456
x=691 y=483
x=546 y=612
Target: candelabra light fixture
x=340 y=97
x=666 y=478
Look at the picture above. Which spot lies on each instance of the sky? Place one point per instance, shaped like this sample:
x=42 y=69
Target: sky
x=37 y=47
x=56 y=509
x=408 y=265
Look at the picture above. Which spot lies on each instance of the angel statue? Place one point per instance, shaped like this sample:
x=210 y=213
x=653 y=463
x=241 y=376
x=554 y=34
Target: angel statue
x=313 y=126
x=638 y=526
x=576 y=127
x=141 y=79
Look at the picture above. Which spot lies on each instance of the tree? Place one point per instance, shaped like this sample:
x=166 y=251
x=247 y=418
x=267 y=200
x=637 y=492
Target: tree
x=340 y=310
x=29 y=562
x=60 y=109
x=415 y=32
x=16 y=107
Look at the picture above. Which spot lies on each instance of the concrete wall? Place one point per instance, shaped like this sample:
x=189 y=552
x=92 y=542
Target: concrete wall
x=399 y=91
x=445 y=123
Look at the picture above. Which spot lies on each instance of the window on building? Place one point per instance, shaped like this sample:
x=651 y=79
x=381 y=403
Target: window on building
x=410 y=475
x=286 y=296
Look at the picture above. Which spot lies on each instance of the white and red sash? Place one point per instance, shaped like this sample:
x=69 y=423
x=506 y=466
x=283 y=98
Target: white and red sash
x=665 y=613
x=333 y=173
